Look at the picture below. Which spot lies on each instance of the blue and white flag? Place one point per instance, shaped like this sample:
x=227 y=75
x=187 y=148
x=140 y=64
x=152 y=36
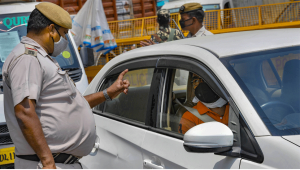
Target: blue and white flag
x=90 y=28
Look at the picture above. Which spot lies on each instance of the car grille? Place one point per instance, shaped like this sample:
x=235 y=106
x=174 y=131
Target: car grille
x=7 y=166
x=4 y=135
x=75 y=74
x=3 y=129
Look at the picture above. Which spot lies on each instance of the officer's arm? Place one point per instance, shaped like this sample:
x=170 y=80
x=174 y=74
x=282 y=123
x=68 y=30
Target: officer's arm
x=32 y=130
x=113 y=91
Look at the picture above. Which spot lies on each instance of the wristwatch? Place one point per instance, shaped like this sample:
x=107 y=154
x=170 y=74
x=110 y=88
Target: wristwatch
x=106 y=95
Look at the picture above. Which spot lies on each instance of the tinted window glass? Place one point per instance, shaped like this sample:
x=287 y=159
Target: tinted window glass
x=269 y=75
x=279 y=109
x=14 y=26
x=132 y=106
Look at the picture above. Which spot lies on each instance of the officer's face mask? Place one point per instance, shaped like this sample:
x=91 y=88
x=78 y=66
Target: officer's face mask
x=59 y=46
x=206 y=95
x=182 y=23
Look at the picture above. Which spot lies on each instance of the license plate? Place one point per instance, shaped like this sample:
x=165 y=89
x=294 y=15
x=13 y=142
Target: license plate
x=7 y=155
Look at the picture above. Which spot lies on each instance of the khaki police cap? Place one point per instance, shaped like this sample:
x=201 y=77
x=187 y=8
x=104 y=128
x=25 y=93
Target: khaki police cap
x=189 y=7
x=55 y=14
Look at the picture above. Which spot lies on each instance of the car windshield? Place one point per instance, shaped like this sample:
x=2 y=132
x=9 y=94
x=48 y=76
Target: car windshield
x=14 y=26
x=271 y=81
x=205 y=8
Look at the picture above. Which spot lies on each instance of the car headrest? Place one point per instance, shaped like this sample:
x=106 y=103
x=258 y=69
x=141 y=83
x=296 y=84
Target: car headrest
x=291 y=76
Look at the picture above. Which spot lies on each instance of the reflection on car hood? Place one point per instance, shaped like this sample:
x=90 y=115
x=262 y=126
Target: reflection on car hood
x=295 y=139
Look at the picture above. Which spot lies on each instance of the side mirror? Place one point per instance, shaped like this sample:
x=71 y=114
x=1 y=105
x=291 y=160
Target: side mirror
x=208 y=137
x=87 y=56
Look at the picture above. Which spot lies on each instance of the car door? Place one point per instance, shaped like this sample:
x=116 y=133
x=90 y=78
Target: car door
x=121 y=123
x=163 y=145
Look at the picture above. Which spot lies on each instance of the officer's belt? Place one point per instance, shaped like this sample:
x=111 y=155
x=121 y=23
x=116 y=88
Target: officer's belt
x=58 y=158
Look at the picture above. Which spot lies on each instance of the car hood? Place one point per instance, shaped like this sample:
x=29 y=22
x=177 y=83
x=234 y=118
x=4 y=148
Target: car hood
x=295 y=139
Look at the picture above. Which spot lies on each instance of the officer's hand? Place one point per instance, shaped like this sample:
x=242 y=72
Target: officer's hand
x=119 y=86
x=147 y=43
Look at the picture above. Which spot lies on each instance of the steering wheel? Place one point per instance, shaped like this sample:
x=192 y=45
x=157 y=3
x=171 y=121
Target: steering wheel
x=271 y=103
x=277 y=118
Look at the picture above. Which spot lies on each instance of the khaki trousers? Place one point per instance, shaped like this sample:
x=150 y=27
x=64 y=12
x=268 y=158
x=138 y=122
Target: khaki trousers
x=26 y=164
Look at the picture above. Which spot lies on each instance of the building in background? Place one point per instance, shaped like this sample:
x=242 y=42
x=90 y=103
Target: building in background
x=113 y=9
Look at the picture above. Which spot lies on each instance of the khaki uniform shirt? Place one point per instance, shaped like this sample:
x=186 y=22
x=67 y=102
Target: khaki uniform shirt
x=66 y=118
x=201 y=32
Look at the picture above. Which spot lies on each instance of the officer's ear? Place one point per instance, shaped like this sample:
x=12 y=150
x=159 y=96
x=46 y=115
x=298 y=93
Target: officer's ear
x=194 y=20
x=51 y=30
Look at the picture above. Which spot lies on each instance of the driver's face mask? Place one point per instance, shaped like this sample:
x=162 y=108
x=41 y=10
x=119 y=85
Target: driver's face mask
x=59 y=46
x=206 y=95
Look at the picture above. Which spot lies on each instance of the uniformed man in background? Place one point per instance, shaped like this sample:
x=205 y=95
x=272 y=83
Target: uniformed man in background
x=165 y=32
x=50 y=122
x=192 y=16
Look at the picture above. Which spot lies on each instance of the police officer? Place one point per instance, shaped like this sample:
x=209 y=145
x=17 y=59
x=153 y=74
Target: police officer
x=165 y=32
x=192 y=17
x=50 y=122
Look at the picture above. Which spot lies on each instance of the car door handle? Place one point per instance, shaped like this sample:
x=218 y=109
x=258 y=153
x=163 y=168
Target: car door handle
x=149 y=164
x=96 y=146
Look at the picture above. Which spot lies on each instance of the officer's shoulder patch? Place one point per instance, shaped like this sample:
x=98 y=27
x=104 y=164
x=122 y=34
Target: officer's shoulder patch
x=30 y=50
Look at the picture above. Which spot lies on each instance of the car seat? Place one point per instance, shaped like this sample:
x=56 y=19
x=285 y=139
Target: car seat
x=290 y=92
x=190 y=94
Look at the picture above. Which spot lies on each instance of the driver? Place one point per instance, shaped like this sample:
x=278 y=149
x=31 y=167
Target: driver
x=208 y=102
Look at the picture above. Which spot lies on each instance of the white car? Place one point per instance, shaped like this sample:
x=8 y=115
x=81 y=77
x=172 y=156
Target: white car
x=257 y=72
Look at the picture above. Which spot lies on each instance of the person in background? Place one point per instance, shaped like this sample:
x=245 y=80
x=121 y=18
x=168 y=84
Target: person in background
x=165 y=32
x=192 y=17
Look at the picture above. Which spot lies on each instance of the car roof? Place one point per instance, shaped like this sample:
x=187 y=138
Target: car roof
x=17 y=7
x=228 y=44
x=179 y=3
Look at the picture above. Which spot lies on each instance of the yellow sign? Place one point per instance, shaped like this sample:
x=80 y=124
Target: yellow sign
x=7 y=155
x=66 y=54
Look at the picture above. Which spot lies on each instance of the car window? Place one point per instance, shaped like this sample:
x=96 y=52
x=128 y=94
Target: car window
x=278 y=109
x=175 y=116
x=280 y=61
x=14 y=26
x=269 y=75
x=168 y=119
x=132 y=106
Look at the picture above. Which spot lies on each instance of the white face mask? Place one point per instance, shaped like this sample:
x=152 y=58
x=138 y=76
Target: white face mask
x=219 y=103
x=59 y=46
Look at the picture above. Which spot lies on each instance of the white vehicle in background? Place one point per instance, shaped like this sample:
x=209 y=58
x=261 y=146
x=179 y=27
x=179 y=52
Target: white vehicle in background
x=13 y=26
x=257 y=72
x=174 y=6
